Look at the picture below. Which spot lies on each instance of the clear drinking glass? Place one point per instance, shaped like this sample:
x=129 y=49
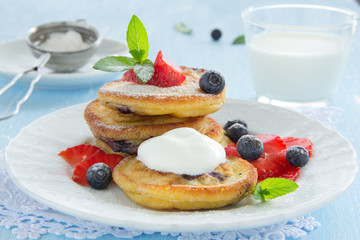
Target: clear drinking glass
x=297 y=52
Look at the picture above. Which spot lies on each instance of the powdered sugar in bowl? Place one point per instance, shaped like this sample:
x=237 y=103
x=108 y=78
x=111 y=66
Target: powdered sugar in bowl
x=70 y=44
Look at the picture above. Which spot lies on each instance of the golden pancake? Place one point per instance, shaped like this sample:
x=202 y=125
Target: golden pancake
x=123 y=133
x=227 y=184
x=186 y=100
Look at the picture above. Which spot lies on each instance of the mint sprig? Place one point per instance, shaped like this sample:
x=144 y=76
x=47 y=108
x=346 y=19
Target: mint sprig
x=115 y=64
x=182 y=28
x=144 y=71
x=239 y=40
x=271 y=188
x=137 y=41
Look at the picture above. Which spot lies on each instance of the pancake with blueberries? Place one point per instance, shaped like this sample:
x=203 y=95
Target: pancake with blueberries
x=120 y=133
x=227 y=184
x=185 y=100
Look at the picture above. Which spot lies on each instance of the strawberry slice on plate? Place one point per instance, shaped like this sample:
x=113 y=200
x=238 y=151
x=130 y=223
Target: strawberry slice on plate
x=303 y=142
x=79 y=175
x=273 y=161
x=230 y=150
x=290 y=172
x=271 y=143
x=167 y=73
x=275 y=165
x=74 y=155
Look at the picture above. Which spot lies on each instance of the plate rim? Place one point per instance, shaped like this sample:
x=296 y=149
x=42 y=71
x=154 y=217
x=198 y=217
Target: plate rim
x=93 y=77
x=145 y=225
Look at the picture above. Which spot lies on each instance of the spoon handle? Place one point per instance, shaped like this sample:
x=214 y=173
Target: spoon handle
x=42 y=60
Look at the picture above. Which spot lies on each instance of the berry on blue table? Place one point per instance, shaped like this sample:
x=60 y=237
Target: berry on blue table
x=216 y=34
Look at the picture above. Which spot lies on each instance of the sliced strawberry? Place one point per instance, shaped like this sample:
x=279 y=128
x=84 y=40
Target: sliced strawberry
x=291 y=173
x=129 y=76
x=167 y=73
x=303 y=142
x=270 y=165
x=231 y=150
x=271 y=143
x=79 y=153
x=273 y=162
x=79 y=175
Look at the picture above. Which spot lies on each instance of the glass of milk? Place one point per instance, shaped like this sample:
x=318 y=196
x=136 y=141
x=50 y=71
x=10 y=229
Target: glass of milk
x=297 y=52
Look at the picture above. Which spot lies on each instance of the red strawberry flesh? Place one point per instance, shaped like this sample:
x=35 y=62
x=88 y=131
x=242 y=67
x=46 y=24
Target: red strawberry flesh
x=167 y=73
x=230 y=150
x=303 y=142
x=75 y=155
x=130 y=76
x=79 y=175
x=271 y=143
x=273 y=162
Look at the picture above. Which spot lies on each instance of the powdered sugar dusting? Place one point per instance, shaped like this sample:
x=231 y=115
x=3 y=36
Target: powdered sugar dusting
x=189 y=87
x=101 y=124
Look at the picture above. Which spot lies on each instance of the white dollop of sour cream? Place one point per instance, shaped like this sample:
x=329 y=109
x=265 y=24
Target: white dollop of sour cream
x=182 y=151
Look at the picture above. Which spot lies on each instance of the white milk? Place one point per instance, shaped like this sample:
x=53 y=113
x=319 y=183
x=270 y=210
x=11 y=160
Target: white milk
x=294 y=66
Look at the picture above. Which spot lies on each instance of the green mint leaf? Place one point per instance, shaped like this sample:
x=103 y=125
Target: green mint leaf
x=258 y=195
x=115 y=64
x=138 y=44
x=137 y=39
x=137 y=54
x=145 y=71
x=181 y=27
x=271 y=188
x=239 y=40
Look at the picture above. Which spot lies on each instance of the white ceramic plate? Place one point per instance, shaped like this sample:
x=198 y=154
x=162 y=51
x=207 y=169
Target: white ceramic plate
x=33 y=164
x=16 y=57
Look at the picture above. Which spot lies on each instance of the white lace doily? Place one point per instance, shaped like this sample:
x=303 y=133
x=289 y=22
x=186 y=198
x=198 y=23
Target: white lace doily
x=29 y=219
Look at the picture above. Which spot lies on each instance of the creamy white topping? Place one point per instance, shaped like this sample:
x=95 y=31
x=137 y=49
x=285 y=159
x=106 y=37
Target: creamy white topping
x=182 y=151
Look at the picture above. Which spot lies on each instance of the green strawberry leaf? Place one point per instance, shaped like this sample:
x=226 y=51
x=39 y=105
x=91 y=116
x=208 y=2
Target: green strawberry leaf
x=271 y=188
x=114 y=64
x=145 y=71
x=137 y=39
x=239 y=40
x=181 y=27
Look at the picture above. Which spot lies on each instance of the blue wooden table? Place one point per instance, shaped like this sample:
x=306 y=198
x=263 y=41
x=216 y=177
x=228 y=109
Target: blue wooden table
x=339 y=219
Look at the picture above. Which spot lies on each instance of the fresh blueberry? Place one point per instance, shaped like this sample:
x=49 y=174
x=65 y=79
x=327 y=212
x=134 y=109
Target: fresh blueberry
x=249 y=147
x=99 y=175
x=212 y=82
x=235 y=131
x=231 y=122
x=216 y=34
x=297 y=156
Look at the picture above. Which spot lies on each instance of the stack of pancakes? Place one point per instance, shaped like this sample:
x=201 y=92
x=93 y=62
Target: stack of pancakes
x=125 y=113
